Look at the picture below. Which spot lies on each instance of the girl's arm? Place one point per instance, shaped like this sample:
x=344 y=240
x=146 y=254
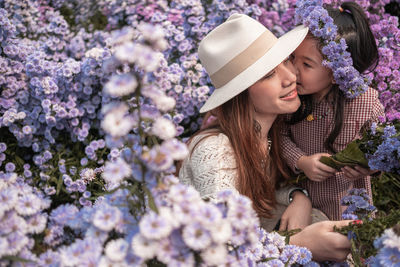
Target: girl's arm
x=298 y=161
x=290 y=152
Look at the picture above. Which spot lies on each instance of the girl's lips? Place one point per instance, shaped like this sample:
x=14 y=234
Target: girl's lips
x=292 y=95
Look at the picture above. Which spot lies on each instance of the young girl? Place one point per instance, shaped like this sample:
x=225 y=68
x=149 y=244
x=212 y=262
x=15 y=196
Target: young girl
x=255 y=81
x=328 y=119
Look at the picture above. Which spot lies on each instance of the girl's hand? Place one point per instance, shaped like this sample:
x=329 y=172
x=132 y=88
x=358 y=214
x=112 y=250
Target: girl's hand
x=356 y=173
x=314 y=169
x=297 y=214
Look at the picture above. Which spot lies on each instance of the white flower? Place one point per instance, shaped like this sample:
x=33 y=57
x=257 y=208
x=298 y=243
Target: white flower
x=117 y=122
x=116 y=250
x=215 y=255
x=166 y=251
x=240 y=216
x=156 y=226
x=165 y=103
x=8 y=198
x=271 y=251
x=37 y=223
x=158 y=159
x=116 y=171
x=28 y=204
x=121 y=85
x=275 y=239
x=124 y=35
x=96 y=53
x=107 y=217
x=146 y=58
x=221 y=232
x=3 y=246
x=127 y=52
x=176 y=148
x=164 y=128
x=12 y=222
x=143 y=247
x=392 y=239
x=96 y=234
x=196 y=236
x=254 y=251
x=87 y=174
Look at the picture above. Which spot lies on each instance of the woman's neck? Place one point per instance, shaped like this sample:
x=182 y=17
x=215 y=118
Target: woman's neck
x=265 y=122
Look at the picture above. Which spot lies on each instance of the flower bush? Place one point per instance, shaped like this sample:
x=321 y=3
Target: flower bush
x=96 y=100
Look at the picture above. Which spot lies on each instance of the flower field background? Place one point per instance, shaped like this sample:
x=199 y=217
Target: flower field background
x=97 y=98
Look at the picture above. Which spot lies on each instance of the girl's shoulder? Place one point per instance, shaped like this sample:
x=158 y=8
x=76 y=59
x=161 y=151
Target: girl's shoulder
x=368 y=97
x=362 y=107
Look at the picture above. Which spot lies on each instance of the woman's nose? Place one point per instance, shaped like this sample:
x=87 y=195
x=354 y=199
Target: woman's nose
x=289 y=75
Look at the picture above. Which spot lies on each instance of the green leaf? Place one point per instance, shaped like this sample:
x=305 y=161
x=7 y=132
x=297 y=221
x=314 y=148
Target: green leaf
x=16 y=259
x=152 y=204
x=331 y=162
x=350 y=156
x=59 y=184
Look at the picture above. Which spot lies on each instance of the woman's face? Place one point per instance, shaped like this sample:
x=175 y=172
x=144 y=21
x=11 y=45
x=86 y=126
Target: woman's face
x=276 y=92
x=312 y=76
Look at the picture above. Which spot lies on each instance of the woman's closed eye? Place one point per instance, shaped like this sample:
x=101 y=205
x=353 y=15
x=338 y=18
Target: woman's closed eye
x=269 y=74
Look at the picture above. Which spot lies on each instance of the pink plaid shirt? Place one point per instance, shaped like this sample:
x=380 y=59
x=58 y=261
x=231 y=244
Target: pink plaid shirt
x=307 y=138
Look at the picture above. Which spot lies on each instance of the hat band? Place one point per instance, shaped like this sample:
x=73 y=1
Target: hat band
x=243 y=60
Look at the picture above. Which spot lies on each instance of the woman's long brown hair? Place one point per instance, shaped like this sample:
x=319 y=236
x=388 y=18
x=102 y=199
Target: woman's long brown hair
x=258 y=171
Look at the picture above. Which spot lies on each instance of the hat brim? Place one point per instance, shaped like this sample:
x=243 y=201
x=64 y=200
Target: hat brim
x=284 y=46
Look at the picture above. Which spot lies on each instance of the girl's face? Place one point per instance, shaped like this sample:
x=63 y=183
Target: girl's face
x=276 y=92
x=312 y=76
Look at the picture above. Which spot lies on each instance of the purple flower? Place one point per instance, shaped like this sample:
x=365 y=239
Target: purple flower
x=10 y=167
x=63 y=213
x=116 y=171
x=156 y=226
x=196 y=236
x=116 y=250
x=106 y=217
x=388 y=256
x=28 y=204
x=312 y=14
x=3 y=147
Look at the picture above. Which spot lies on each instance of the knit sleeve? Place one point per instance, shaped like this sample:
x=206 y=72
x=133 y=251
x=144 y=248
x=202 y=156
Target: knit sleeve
x=290 y=151
x=212 y=165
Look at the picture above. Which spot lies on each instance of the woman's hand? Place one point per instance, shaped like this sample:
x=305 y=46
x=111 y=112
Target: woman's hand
x=323 y=242
x=297 y=214
x=314 y=169
x=356 y=173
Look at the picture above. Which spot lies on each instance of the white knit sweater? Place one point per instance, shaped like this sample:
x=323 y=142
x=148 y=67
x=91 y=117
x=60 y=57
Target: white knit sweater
x=212 y=167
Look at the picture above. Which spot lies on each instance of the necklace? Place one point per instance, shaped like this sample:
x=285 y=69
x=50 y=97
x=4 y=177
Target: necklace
x=269 y=141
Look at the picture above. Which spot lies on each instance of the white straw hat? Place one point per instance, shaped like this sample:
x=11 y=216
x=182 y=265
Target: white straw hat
x=239 y=52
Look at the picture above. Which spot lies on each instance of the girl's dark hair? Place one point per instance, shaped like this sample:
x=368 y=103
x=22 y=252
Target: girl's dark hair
x=352 y=25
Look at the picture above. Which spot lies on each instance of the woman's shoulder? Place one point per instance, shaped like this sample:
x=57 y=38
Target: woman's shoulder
x=209 y=139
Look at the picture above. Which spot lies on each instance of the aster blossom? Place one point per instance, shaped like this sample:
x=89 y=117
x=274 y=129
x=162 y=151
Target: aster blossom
x=312 y=14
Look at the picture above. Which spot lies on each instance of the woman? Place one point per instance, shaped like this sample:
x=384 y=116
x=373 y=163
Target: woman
x=255 y=82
